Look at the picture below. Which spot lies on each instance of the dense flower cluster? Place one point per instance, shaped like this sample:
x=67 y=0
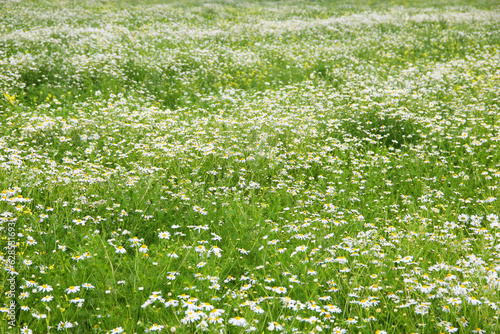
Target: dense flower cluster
x=249 y=168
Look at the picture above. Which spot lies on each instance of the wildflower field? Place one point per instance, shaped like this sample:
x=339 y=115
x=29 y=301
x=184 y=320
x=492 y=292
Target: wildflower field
x=233 y=167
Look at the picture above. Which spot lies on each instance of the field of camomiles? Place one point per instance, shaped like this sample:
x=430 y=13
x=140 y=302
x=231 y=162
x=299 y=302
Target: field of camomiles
x=233 y=167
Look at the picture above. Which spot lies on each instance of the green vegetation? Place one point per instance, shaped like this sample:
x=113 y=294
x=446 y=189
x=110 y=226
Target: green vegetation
x=228 y=167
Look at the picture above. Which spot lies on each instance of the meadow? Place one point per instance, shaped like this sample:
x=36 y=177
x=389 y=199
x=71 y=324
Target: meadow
x=249 y=167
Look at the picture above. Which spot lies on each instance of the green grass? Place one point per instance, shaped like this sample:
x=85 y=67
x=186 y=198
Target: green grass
x=319 y=166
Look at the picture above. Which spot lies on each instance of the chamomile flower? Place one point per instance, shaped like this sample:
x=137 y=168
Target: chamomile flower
x=64 y=325
x=72 y=289
x=24 y=295
x=280 y=290
x=156 y=328
x=77 y=300
x=238 y=321
x=164 y=235
x=88 y=286
x=47 y=298
x=44 y=288
x=120 y=250
x=26 y=330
